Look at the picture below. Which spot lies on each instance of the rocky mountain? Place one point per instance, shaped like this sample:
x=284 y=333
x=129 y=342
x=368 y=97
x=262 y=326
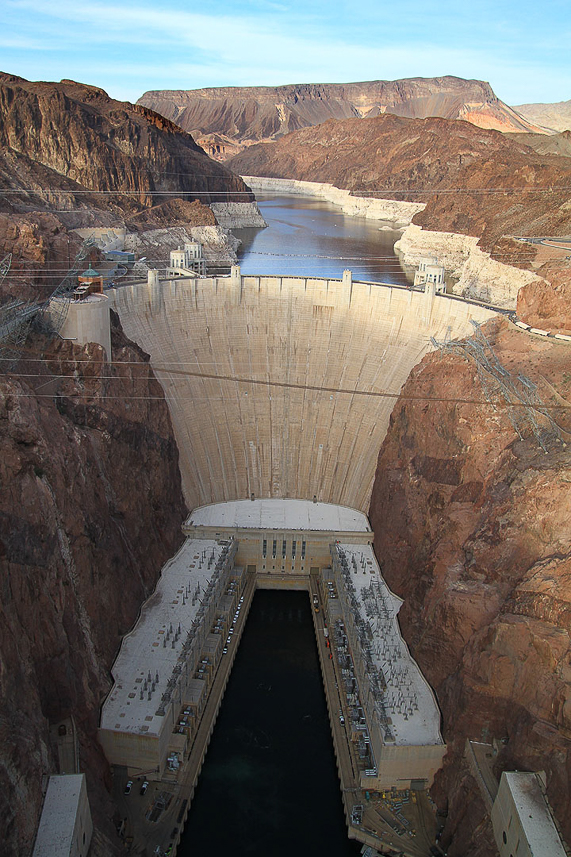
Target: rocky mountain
x=225 y=118
x=71 y=157
x=84 y=526
x=474 y=181
x=556 y=115
x=96 y=144
x=84 y=531
x=552 y=144
x=471 y=528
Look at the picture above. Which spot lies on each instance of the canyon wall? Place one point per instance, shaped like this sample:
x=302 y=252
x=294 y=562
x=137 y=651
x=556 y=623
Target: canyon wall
x=73 y=158
x=90 y=510
x=83 y=137
x=471 y=530
x=472 y=181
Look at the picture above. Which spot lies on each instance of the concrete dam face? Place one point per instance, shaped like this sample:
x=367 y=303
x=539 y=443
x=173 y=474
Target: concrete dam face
x=273 y=383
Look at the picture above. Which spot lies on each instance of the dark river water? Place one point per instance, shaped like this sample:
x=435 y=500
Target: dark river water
x=269 y=786
x=307 y=236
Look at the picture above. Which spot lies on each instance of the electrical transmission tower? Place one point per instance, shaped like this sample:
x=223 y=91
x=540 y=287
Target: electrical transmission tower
x=526 y=411
x=16 y=316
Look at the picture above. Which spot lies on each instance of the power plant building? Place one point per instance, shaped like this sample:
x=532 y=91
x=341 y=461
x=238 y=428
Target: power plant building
x=395 y=710
x=293 y=544
x=157 y=672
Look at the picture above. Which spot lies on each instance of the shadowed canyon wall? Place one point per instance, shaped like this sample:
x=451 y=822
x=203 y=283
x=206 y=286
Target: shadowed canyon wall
x=90 y=509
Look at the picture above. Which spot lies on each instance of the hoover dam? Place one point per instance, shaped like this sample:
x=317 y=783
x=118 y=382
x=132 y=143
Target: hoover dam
x=282 y=387
x=280 y=391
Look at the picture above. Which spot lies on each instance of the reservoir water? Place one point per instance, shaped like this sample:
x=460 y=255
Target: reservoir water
x=269 y=784
x=311 y=237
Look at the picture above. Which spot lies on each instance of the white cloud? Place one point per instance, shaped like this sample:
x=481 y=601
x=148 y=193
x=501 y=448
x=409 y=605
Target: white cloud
x=128 y=49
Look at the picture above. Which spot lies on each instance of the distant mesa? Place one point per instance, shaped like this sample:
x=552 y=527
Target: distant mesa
x=226 y=119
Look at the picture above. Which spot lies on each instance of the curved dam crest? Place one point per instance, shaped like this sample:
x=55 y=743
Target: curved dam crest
x=273 y=383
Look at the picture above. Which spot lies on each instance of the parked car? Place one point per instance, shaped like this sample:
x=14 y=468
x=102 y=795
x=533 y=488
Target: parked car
x=128 y=787
x=144 y=787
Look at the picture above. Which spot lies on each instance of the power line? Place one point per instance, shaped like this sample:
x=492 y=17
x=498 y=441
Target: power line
x=443 y=400
x=388 y=262
x=356 y=192
x=380 y=394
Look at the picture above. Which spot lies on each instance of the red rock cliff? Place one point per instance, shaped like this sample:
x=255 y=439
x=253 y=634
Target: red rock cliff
x=90 y=510
x=472 y=530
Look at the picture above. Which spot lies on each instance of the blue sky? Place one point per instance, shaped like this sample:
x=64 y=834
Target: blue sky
x=522 y=48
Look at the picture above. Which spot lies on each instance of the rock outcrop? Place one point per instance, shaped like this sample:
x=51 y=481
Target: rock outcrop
x=225 y=118
x=546 y=303
x=72 y=158
x=471 y=529
x=90 y=510
x=104 y=146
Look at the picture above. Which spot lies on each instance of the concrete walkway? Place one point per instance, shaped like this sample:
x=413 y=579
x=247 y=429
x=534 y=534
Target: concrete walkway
x=64 y=736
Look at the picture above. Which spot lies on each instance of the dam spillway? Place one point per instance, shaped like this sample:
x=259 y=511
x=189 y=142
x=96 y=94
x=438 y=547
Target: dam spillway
x=276 y=385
